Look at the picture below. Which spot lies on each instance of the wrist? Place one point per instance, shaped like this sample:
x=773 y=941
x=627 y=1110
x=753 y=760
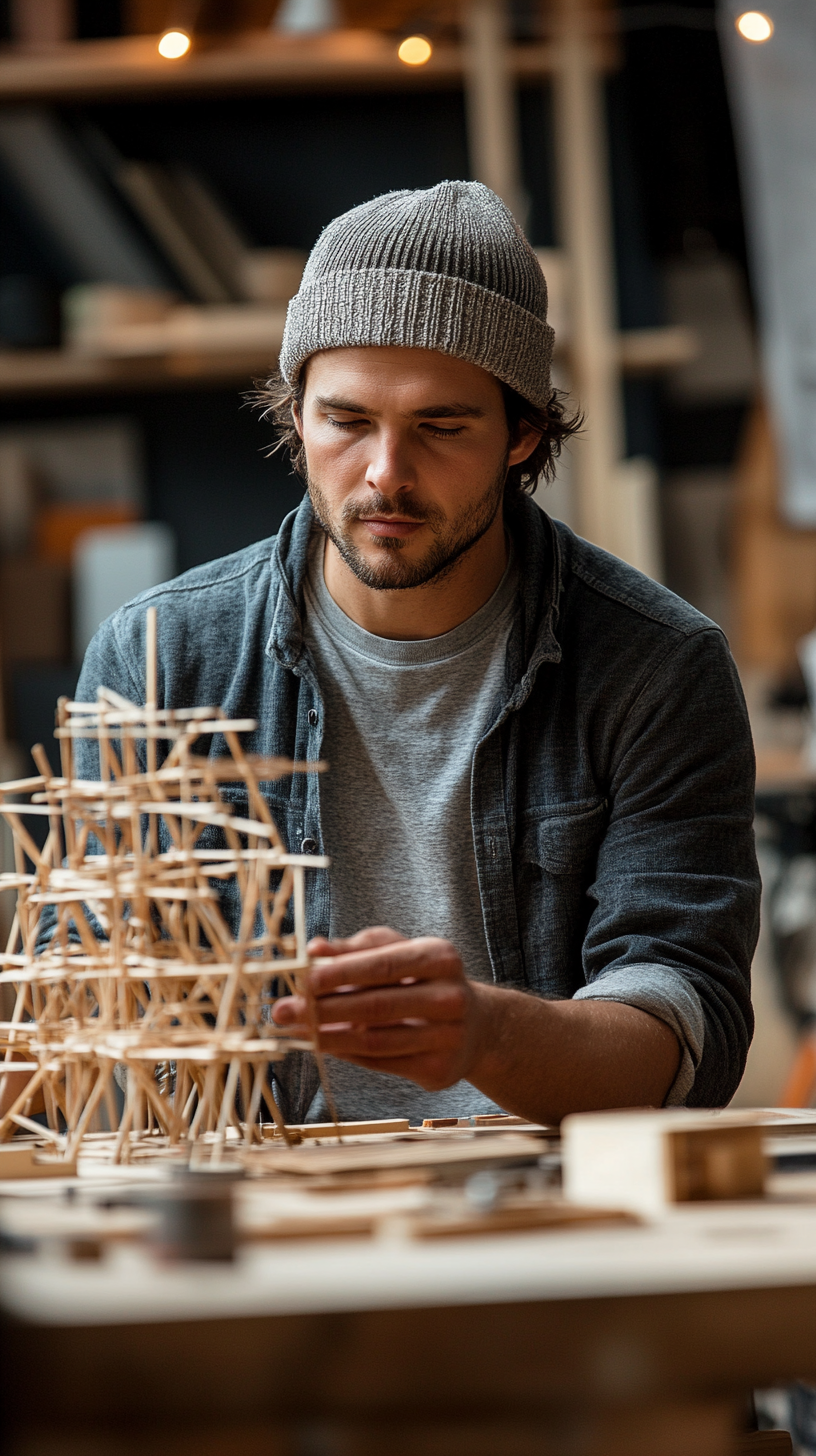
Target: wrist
x=489 y=1041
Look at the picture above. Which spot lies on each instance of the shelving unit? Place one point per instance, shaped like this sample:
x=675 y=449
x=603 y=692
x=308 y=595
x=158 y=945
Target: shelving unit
x=489 y=69
x=43 y=372
x=131 y=67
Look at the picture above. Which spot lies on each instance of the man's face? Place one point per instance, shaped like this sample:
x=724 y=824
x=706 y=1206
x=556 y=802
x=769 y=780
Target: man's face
x=407 y=453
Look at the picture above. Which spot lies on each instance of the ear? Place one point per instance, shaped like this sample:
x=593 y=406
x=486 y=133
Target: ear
x=526 y=440
x=297 y=418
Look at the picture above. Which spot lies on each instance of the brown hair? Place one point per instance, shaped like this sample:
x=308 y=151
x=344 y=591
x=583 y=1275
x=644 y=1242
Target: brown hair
x=275 y=398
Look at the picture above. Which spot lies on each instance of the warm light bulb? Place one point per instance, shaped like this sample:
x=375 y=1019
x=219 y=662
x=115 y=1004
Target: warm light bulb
x=755 y=26
x=415 y=51
x=174 y=44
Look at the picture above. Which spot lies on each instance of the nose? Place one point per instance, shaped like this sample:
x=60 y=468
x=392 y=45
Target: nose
x=389 y=470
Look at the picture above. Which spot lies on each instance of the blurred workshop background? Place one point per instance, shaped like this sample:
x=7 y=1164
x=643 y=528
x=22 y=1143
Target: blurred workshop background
x=165 y=168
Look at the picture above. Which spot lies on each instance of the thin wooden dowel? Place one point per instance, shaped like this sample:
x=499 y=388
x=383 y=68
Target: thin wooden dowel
x=151 y=670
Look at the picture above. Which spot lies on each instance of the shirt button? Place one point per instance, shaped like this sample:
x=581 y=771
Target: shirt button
x=312 y=717
x=308 y=846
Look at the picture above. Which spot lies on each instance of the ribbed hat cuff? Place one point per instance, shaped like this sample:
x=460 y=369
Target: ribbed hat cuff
x=415 y=310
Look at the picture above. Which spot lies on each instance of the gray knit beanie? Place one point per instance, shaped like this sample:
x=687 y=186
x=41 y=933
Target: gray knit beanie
x=447 y=268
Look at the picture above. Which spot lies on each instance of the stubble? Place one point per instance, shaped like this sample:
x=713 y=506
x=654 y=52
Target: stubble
x=390 y=571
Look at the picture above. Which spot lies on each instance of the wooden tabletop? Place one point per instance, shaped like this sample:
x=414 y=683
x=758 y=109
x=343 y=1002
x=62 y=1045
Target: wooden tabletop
x=702 y=1249
x=566 y=1332
x=613 y=1336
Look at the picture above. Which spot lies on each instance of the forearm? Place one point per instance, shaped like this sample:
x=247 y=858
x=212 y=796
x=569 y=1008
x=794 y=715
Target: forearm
x=407 y=1007
x=545 y=1059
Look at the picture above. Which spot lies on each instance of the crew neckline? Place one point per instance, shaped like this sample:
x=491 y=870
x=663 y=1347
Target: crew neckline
x=415 y=651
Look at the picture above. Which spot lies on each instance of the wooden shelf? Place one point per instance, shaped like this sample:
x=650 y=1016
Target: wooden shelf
x=131 y=67
x=44 y=372
x=645 y=351
x=29 y=372
x=781 y=770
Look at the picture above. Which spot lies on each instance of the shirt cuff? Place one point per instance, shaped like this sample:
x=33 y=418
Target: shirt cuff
x=666 y=994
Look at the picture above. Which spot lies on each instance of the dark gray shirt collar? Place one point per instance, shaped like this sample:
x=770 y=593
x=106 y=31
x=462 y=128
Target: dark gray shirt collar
x=536 y=549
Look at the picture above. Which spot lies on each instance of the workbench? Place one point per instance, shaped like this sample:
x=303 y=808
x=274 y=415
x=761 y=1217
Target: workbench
x=605 y=1340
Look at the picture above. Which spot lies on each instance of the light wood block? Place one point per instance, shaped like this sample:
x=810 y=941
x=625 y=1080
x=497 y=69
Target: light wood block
x=29 y=1162
x=646 y=1161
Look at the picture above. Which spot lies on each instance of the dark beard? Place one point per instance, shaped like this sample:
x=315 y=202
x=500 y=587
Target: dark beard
x=449 y=547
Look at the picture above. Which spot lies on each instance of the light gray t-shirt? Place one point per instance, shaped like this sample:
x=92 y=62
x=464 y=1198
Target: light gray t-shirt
x=402 y=720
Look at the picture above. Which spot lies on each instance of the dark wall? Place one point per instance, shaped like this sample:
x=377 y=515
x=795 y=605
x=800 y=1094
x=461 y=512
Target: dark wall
x=680 y=127
x=94 y=18
x=286 y=165
x=675 y=159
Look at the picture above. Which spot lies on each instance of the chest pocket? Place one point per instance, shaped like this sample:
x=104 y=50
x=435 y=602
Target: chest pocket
x=556 y=854
x=564 y=843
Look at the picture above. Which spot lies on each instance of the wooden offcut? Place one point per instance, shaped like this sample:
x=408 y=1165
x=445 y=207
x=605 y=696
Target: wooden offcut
x=648 y=1160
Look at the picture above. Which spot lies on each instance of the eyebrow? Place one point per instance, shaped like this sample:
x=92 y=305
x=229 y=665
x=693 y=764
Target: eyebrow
x=453 y=410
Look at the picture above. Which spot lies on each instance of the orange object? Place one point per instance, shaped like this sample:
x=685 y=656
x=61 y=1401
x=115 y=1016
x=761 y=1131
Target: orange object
x=57 y=528
x=34 y=610
x=801 y=1084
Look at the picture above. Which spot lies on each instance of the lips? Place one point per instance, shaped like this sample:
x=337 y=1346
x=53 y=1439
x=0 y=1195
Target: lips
x=385 y=526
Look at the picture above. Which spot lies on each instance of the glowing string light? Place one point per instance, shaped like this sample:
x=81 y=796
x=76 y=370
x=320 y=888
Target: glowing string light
x=174 y=44
x=415 y=51
x=755 y=26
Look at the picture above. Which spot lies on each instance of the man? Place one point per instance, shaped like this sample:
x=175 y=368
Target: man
x=543 y=895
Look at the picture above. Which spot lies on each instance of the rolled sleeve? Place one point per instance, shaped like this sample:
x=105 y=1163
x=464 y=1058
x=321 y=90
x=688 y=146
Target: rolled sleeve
x=676 y=886
x=668 y=995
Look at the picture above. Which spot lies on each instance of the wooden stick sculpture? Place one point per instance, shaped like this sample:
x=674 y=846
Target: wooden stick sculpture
x=120 y=952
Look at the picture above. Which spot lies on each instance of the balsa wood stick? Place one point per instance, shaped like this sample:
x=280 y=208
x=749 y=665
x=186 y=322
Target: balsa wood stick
x=151 y=704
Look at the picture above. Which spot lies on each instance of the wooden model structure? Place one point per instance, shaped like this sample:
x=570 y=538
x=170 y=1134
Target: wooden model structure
x=120 y=951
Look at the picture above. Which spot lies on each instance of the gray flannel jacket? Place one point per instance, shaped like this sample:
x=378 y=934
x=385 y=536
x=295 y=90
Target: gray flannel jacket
x=612 y=795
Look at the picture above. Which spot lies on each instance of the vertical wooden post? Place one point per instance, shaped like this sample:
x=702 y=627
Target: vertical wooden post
x=42 y=24
x=586 y=233
x=151 y=704
x=490 y=100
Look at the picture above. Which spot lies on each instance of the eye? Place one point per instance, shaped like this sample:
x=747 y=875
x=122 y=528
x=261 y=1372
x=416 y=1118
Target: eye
x=442 y=434
x=345 y=424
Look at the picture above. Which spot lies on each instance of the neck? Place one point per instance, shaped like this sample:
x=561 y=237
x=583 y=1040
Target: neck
x=421 y=611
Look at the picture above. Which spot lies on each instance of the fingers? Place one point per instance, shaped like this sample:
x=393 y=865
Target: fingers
x=425 y=1001
x=388 y=1042
x=385 y=1003
x=387 y=964
x=364 y=939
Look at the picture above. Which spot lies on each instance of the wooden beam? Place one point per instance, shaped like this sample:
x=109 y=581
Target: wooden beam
x=41 y=24
x=586 y=233
x=43 y=372
x=258 y=61
x=492 y=119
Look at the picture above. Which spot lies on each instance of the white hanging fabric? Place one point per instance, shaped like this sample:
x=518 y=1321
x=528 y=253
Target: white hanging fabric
x=773 y=99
